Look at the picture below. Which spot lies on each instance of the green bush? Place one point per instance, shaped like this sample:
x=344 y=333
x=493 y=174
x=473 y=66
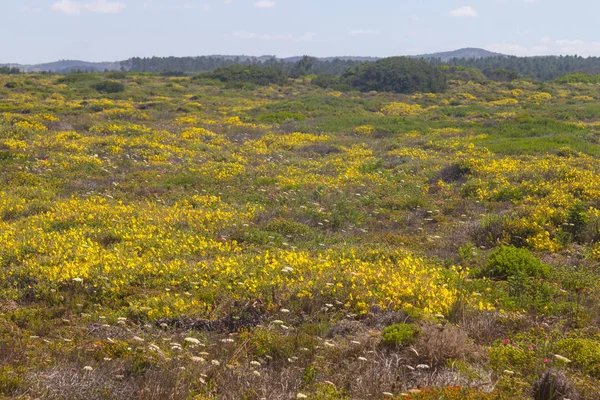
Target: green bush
x=10 y=380
x=509 y=261
x=109 y=87
x=396 y=74
x=256 y=75
x=584 y=353
x=287 y=227
x=400 y=334
x=280 y=117
x=513 y=358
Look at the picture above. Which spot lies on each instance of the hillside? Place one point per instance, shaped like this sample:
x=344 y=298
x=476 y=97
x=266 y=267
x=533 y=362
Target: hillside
x=466 y=53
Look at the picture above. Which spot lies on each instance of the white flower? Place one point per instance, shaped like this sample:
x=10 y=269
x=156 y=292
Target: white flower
x=509 y=372
x=423 y=366
x=77 y=280
x=88 y=368
x=198 y=359
x=138 y=339
x=215 y=363
x=256 y=373
x=301 y=396
x=278 y=322
x=192 y=340
x=284 y=310
x=562 y=358
x=362 y=359
x=255 y=363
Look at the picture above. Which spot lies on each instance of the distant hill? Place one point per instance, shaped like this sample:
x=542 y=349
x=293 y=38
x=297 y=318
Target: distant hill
x=466 y=53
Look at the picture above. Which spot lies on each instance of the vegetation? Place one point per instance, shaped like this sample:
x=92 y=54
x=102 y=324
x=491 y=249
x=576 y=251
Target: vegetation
x=259 y=75
x=396 y=74
x=505 y=262
x=187 y=237
x=9 y=71
x=545 y=68
x=109 y=87
x=191 y=65
x=399 y=334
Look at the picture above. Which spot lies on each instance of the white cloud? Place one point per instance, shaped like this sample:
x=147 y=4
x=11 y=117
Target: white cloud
x=170 y=6
x=105 y=6
x=67 y=7
x=464 y=12
x=363 y=32
x=549 y=46
x=72 y=7
x=264 y=4
x=262 y=36
x=34 y=10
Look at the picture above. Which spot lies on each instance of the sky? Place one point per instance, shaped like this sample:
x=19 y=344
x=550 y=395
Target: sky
x=35 y=31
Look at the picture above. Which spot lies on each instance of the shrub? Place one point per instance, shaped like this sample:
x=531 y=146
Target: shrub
x=400 y=334
x=248 y=74
x=397 y=74
x=584 y=353
x=287 y=227
x=439 y=344
x=280 y=117
x=10 y=380
x=108 y=87
x=508 y=261
x=514 y=358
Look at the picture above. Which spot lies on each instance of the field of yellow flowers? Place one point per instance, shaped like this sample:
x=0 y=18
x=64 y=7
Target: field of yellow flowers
x=183 y=240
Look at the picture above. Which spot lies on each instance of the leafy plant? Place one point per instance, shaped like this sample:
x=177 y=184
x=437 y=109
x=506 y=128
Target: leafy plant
x=508 y=261
x=400 y=334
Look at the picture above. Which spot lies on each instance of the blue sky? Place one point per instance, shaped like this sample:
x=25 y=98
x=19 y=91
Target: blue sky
x=35 y=31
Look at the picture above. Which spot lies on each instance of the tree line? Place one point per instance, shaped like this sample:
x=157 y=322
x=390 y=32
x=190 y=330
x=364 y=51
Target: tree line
x=9 y=71
x=545 y=68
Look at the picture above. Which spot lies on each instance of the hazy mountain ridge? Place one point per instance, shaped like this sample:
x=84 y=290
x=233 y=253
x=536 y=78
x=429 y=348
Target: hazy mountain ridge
x=63 y=66
x=466 y=53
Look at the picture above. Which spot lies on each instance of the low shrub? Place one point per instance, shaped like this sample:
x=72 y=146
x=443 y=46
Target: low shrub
x=109 y=87
x=400 y=334
x=507 y=261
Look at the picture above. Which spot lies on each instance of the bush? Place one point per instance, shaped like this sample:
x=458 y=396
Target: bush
x=109 y=87
x=440 y=344
x=280 y=117
x=400 y=334
x=584 y=353
x=238 y=74
x=509 y=261
x=10 y=380
x=397 y=74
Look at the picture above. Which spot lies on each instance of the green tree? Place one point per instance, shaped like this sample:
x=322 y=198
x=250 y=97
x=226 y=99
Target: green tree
x=396 y=74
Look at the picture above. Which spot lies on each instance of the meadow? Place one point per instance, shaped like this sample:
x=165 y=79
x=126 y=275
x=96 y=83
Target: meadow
x=179 y=238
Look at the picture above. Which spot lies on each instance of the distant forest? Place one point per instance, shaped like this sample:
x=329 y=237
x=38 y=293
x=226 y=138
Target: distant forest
x=541 y=69
x=538 y=68
x=188 y=65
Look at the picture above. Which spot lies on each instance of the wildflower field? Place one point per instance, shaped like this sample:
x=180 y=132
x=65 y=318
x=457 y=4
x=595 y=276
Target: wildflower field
x=181 y=239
